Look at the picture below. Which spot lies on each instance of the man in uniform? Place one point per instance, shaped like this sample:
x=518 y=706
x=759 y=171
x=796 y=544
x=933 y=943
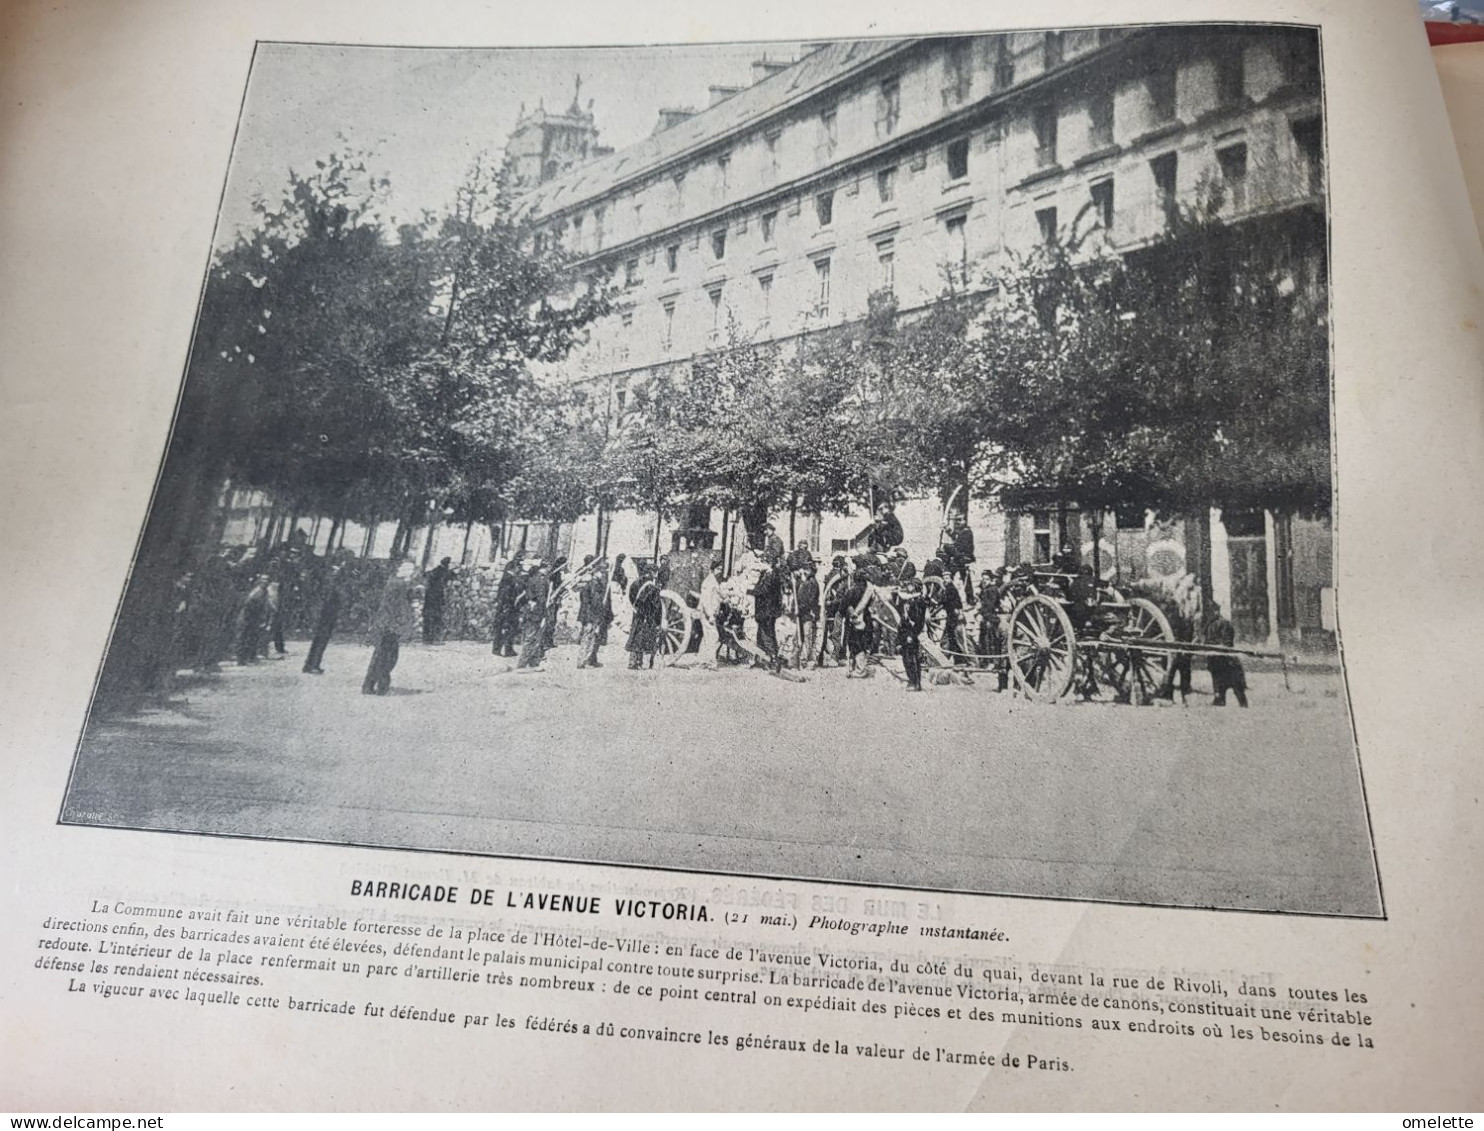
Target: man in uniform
x=324 y=623
x=594 y=613
x=806 y=593
x=991 y=635
x=832 y=647
x=853 y=605
x=531 y=607
x=435 y=595
x=957 y=551
x=767 y=606
x=911 y=622
x=885 y=531
x=507 y=593
x=644 y=630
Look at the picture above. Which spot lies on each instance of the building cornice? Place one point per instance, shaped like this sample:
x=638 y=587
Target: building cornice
x=970 y=116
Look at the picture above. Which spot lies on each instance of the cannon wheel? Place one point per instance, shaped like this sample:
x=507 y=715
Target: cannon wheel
x=1137 y=676
x=937 y=617
x=676 y=621
x=1043 y=649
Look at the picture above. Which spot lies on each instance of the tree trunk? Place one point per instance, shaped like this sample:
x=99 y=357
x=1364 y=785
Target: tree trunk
x=1198 y=552
x=468 y=533
x=754 y=518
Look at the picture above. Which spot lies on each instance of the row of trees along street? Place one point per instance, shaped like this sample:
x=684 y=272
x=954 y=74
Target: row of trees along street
x=363 y=372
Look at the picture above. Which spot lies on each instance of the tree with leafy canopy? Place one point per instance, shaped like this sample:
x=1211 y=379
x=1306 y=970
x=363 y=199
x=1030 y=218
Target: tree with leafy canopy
x=744 y=427
x=1193 y=373
x=347 y=372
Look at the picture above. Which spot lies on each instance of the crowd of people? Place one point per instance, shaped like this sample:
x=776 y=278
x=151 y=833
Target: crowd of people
x=776 y=609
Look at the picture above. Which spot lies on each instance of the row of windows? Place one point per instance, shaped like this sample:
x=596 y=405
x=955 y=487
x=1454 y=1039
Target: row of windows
x=958 y=69
x=1231 y=162
x=1161 y=90
x=956 y=161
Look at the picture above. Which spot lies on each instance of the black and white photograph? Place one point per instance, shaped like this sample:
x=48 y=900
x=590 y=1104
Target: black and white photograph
x=904 y=462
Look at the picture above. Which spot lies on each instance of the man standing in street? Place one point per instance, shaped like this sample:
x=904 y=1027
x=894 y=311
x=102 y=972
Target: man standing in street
x=434 y=597
x=252 y=619
x=957 y=552
x=832 y=649
x=594 y=613
x=767 y=604
x=644 y=626
x=507 y=594
x=393 y=623
x=532 y=609
x=805 y=639
x=911 y=622
x=324 y=623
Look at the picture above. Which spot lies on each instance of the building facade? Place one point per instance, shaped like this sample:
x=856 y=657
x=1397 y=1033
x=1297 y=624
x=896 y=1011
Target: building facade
x=917 y=165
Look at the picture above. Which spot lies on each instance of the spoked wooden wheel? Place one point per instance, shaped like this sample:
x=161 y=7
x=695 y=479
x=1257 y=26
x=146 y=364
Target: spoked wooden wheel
x=676 y=618
x=1136 y=675
x=1043 y=649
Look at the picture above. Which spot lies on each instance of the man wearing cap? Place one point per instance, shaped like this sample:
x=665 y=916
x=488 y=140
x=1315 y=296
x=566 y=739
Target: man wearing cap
x=806 y=594
x=991 y=635
x=852 y=605
x=531 y=608
x=644 y=629
x=911 y=609
x=594 y=612
x=434 y=597
x=393 y=624
x=507 y=593
x=772 y=544
x=324 y=623
x=767 y=607
x=885 y=531
x=832 y=647
x=957 y=551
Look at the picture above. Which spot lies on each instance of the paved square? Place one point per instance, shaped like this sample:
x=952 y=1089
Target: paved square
x=736 y=771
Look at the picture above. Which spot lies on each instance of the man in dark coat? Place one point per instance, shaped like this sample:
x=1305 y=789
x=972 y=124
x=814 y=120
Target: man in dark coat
x=885 y=531
x=911 y=623
x=531 y=608
x=435 y=595
x=853 y=605
x=594 y=613
x=953 y=620
x=324 y=623
x=833 y=645
x=1227 y=673
x=507 y=620
x=957 y=551
x=991 y=635
x=772 y=545
x=806 y=648
x=767 y=606
x=644 y=630
x=801 y=558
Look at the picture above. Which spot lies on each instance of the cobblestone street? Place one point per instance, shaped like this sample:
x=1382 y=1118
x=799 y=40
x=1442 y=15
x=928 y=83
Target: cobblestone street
x=737 y=771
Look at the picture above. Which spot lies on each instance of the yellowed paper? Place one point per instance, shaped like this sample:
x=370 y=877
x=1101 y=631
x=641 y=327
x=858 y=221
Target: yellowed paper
x=292 y=974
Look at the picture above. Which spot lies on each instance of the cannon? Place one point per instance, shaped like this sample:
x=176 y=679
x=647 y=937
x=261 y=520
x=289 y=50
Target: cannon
x=1069 y=632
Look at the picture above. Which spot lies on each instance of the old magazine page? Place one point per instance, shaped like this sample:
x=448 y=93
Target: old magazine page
x=783 y=560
